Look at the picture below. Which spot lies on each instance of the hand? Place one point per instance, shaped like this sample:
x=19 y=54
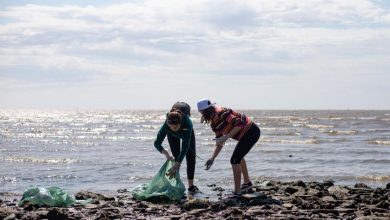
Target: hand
x=167 y=155
x=221 y=140
x=209 y=163
x=174 y=169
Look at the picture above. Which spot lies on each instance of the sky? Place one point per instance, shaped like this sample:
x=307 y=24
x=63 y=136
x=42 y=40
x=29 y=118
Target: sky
x=242 y=54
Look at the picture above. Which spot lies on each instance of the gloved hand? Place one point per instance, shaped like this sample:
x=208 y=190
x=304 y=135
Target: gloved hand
x=221 y=140
x=174 y=169
x=167 y=155
x=209 y=163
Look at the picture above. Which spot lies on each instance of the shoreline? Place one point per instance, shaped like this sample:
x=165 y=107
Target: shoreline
x=271 y=200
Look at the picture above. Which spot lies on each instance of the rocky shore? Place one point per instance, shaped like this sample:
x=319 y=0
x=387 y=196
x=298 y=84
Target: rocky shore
x=270 y=200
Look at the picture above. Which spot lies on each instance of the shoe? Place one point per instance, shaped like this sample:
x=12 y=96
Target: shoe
x=234 y=196
x=193 y=189
x=246 y=187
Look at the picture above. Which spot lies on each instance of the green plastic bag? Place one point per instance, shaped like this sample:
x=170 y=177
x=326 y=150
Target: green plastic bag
x=52 y=196
x=161 y=188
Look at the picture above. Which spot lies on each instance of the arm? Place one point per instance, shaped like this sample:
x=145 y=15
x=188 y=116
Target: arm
x=217 y=149
x=162 y=133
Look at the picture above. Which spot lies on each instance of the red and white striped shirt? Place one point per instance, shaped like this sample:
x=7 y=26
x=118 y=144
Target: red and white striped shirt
x=225 y=119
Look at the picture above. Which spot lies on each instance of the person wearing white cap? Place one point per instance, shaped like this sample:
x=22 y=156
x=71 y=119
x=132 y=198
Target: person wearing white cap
x=226 y=124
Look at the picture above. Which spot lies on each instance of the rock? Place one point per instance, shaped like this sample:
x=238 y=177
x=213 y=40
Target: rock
x=232 y=212
x=122 y=191
x=328 y=199
x=83 y=195
x=10 y=217
x=291 y=190
x=255 y=210
x=299 y=183
x=220 y=189
x=338 y=191
x=388 y=186
x=197 y=212
x=288 y=205
x=57 y=214
x=328 y=182
x=361 y=185
x=196 y=204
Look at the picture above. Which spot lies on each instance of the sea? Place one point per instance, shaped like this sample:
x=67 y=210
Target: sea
x=103 y=151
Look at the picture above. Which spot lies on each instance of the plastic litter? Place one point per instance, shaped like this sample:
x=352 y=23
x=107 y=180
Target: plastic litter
x=161 y=188
x=52 y=196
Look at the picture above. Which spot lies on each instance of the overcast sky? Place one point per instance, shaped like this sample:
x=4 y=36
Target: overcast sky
x=260 y=54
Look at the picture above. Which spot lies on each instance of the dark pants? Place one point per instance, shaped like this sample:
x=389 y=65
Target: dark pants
x=174 y=144
x=245 y=144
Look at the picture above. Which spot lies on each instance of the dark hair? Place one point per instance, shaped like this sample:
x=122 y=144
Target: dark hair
x=174 y=116
x=207 y=114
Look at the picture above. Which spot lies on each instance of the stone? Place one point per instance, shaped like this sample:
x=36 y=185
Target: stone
x=291 y=190
x=10 y=217
x=328 y=199
x=338 y=191
x=57 y=214
x=361 y=185
x=196 y=204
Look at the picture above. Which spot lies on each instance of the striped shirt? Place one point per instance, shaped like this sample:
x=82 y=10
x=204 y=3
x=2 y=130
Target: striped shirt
x=225 y=119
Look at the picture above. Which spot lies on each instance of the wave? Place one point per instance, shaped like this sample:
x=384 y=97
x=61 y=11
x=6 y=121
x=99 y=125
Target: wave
x=284 y=141
x=380 y=142
x=317 y=126
x=42 y=160
x=376 y=161
x=340 y=132
x=9 y=179
x=374 y=177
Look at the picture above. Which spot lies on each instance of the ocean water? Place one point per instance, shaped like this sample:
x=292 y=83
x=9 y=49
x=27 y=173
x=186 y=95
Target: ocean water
x=108 y=150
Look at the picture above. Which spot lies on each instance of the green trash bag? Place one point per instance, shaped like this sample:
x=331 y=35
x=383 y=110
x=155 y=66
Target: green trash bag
x=52 y=196
x=161 y=188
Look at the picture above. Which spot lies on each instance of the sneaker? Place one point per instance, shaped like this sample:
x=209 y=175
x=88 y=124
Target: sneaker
x=246 y=187
x=234 y=196
x=193 y=189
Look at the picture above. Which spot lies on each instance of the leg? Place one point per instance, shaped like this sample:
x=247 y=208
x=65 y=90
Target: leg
x=191 y=160
x=243 y=147
x=237 y=177
x=174 y=144
x=244 y=170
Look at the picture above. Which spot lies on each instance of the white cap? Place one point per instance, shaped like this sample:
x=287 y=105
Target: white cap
x=204 y=104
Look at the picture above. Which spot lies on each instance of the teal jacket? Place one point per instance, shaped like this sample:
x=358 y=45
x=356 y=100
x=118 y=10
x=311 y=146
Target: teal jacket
x=183 y=133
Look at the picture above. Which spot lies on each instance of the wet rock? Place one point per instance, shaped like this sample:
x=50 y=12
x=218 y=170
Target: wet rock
x=328 y=199
x=83 y=195
x=220 y=189
x=10 y=217
x=291 y=190
x=122 y=191
x=232 y=212
x=57 y=214
x=328 y=182
x=197 y=212
x=196 y=204
x=338 y=191
x=299 y=183
x=361 y=185
x=388 y=186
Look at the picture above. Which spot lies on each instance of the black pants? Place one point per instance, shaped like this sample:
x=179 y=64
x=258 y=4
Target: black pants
x=174 y=144
x=245 y=144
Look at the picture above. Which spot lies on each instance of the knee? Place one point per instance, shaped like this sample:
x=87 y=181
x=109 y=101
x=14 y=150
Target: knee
x=235 y=160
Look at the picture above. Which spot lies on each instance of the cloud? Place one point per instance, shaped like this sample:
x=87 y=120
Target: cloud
x=151 y=41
